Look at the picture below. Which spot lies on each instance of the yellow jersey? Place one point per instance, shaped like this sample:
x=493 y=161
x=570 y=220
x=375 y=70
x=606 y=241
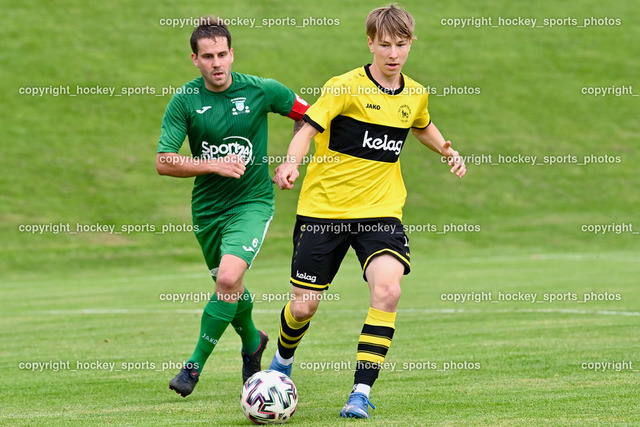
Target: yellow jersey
x=355 y=171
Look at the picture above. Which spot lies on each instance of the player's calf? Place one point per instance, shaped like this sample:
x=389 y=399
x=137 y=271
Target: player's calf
x=291 y=333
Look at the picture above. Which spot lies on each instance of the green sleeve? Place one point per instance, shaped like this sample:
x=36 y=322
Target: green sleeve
x=174 y=126
x=280 y=98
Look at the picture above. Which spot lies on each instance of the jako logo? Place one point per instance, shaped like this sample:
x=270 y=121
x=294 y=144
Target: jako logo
x=305 y=276
x=237 y=145
x=373 y=106
x=208 y=338
x=385 y=144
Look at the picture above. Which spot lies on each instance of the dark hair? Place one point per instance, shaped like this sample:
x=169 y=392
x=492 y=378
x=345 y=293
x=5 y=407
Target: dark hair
x=210 y=27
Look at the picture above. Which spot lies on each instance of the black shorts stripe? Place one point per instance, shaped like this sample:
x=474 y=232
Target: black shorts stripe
x=378 y=331
x=310 y=288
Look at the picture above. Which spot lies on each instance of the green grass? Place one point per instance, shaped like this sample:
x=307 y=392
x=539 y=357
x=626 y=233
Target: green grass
x=527 y=358
x=90 y=159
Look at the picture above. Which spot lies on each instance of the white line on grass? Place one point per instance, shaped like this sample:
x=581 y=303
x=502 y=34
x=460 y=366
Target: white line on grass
x=614 y=257
x=605 y=256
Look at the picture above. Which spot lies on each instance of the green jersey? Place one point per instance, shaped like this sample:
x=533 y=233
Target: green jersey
x=217 y=124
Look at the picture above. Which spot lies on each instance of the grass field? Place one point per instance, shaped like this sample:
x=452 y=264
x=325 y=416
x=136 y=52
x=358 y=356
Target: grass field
x=97 y=297
x=515 y=363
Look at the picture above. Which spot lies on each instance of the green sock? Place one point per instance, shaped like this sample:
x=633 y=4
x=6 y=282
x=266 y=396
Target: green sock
x=216 y=317
x=243 y=324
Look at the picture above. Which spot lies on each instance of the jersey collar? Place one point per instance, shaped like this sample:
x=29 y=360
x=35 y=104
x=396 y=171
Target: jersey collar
x=384 y=89
x=227 y=90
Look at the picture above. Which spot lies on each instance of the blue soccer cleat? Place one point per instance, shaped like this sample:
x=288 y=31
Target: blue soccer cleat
x=357 y=406
x=276 y=366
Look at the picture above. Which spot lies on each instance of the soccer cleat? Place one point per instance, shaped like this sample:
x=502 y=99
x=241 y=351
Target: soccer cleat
x=185 y=381
x=251 y=362
x=357 y=406
x=277 y=366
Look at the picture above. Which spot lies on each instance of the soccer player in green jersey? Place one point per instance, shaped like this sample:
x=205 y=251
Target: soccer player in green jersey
x=224 y=116
x=362 y=119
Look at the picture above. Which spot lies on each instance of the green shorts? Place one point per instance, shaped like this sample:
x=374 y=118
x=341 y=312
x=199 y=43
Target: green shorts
x=238 y=231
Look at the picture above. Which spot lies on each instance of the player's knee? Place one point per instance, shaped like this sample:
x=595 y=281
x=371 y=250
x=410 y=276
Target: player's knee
x=389 y=292
x=302 y=311
x=227 y=282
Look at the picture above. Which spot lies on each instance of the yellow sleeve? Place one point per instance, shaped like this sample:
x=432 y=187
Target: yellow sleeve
x=331 y=103
x=422 y=118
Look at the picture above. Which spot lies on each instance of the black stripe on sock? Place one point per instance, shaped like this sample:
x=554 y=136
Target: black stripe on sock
x=288 y=330
x=373 y=348
x=378 y=331
x=290 y=342
x=296 y=334
x=366 y=373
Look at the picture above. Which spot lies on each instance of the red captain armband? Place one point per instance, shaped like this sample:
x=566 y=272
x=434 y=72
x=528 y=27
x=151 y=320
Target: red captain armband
x=300 y=106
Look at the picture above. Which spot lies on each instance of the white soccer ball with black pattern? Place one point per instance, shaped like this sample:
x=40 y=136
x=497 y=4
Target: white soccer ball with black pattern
x=269 y=397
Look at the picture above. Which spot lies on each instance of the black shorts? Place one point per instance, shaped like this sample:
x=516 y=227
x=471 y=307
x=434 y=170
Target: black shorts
x=319 y=246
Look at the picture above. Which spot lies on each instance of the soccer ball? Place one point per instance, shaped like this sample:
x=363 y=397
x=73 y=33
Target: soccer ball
x=269 y=397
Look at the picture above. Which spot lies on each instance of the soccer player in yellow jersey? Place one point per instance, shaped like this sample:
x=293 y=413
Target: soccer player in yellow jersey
x=353 y=194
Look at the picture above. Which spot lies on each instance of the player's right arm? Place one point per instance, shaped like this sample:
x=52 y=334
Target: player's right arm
x=318 y=117
x=287 y=173
x=175 y=126
x=174 y=164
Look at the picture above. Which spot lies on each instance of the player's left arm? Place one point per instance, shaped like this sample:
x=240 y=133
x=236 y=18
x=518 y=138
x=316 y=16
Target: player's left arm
x=297 y=125
x=431 y=137
x=300 y=106
x=285 y=102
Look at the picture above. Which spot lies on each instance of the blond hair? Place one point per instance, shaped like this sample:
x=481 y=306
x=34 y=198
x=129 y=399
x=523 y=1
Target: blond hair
x=390 y=21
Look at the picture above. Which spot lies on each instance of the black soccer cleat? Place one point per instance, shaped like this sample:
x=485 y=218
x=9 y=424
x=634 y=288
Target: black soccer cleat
x=185 y=381
x=251 y=362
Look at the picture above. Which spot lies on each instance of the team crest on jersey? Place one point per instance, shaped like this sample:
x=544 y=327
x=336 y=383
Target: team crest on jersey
x=237 y=145
x=240 y=106
x=404 y=113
